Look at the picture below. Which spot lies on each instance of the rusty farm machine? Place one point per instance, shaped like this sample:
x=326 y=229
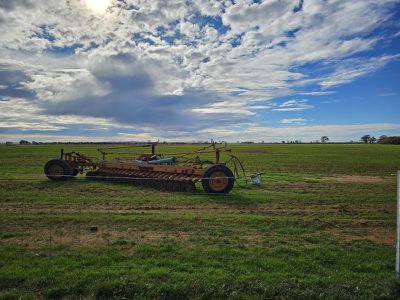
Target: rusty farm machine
x=173 y=171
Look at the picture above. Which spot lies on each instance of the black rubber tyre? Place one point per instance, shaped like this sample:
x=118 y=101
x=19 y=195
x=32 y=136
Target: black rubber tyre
x=57 y=169
x=91 y=175
x=74 y=168
x=220 y=185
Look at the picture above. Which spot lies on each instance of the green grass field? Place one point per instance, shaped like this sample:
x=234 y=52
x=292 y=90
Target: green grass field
x=321 y=225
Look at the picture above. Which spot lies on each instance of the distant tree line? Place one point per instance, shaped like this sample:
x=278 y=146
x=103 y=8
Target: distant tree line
x=324 y=139
x=366 y=139
x=24 y=142
x=383 y=139
x=394 y=140
x=292 y=142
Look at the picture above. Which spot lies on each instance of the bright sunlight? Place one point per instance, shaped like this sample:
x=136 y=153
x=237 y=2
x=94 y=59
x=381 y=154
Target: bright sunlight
x=99 y=6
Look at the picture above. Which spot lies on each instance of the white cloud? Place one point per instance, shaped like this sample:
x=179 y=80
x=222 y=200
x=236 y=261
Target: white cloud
x=293 y=121
x=320 y=93
x=336 y=133
x=305 y=133
x=294 y=105
x=167 y=64
x=387 y=94
x=350 y=69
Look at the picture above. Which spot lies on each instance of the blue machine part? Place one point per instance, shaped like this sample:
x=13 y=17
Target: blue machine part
x=169 y=160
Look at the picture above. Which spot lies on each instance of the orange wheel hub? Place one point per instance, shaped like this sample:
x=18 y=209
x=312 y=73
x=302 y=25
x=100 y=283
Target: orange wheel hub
x=218 y=181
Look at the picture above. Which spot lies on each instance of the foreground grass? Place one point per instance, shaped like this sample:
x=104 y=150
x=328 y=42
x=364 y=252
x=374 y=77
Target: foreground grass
x=309 y=231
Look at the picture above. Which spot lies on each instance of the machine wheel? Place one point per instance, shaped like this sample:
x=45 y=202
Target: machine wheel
x=74 y=168
x=91 y=175
x=57 y=169
x=218 y=179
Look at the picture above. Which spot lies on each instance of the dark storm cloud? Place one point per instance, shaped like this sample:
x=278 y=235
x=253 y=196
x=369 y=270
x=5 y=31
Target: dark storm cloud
x=11 y=4
x=11 y=77
x=130 y=99
x=132 y=107
x=10 y=82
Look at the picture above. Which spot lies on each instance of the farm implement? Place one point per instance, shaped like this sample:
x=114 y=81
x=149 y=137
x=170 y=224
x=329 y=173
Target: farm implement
x=172 y=171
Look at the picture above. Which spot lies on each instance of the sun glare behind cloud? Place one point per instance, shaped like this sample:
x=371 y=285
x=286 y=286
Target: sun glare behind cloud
x=99 y=6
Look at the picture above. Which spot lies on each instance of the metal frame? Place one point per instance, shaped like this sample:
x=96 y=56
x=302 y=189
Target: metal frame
x=182 y=174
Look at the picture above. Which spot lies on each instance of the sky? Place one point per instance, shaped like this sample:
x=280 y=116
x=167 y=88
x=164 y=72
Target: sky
x=196 y=70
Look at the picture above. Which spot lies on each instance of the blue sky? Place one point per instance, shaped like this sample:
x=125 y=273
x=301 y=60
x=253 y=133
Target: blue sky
x=113 y=70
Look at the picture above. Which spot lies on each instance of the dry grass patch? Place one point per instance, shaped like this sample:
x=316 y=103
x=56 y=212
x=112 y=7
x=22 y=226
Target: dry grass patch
x=381 y=235
x=359 y=179
x=83 y=235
